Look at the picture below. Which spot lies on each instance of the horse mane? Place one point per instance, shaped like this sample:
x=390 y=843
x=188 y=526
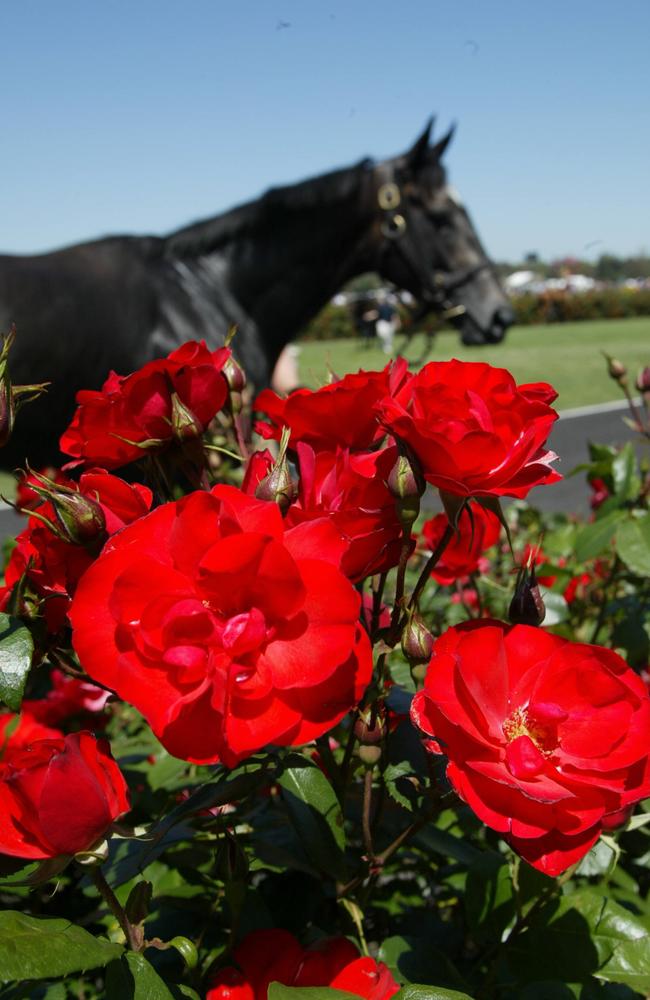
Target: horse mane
x=207 y=235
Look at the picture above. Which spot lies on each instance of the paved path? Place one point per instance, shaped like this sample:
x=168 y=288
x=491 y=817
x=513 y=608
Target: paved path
x=602 y=424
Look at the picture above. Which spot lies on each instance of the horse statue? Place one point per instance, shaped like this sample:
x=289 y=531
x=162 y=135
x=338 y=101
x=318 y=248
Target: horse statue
x=267 y=267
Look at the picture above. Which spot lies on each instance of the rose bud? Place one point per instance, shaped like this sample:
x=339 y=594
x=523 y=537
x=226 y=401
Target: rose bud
x=279 y=485
x=370 y=730
x=78 y=519
x=643 y=380
x=527 y=606
x=235 y=375
x=417 y=641
x=616 y=369
x=185 y=425
x=59 y=796
x=407 y=486
x=231 y=863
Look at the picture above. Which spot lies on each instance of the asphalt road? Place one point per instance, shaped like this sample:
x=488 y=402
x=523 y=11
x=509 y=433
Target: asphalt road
x=575 y=428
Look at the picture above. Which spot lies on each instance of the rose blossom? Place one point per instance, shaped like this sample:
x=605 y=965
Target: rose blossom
x=225 y=630
x=336 y=415
x=545 y=737
x=68 y=697
x=59 y=796
x=474 y=535
x=53 y=566
x=139 y=408
x=473 y=430
x=18 y=731
x=268 y=956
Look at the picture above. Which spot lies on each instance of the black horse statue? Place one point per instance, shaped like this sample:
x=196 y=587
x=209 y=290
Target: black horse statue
x=267 y=266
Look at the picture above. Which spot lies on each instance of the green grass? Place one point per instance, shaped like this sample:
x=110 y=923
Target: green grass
x=568 y=355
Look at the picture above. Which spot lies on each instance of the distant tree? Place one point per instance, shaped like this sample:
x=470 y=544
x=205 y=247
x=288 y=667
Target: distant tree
x=610 y=268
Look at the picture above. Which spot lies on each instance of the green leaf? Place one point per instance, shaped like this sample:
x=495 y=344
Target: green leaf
x=398 y=786
x=626 y=482
x=45 y=948
x=414 y=992
x=633 y=544
x=557 y=609
x=16 y=649
x=279 y=992
x=595 y=538
x=581 y=935
x=134 y=978
x=315 y=813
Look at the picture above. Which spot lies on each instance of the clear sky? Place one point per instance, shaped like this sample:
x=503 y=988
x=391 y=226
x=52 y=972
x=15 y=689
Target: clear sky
x=142 y=115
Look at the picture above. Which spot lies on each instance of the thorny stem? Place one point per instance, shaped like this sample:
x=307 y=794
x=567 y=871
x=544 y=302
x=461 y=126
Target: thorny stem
x=134 y=935
x=241 y=437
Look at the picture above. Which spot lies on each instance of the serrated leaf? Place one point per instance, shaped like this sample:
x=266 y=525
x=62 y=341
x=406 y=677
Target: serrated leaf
x=398 y=786
x=596 y=538
x=46 y=948
x=279 y=992
x=16 y=649
x=315 y=813
x=633 y=544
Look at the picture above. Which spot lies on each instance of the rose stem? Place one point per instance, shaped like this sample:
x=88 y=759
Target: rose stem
x=133 y=935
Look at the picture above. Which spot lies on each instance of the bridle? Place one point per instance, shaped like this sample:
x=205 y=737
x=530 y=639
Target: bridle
x=436 y=287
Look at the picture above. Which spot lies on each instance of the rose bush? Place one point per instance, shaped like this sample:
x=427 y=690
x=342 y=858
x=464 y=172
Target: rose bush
x=225 y=630
x=344 y=778
x=544 y=737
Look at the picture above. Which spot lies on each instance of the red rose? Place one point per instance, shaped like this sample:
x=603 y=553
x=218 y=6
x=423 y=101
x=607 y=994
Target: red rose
x=226 y=631
x=59 y=796
x=138 y=408
x=545 y=737
x=276 y=955
x=54 y=566
x=337 y=415
x=462 y=556
x=473 y=430
x=350 y=488
x=599 y=492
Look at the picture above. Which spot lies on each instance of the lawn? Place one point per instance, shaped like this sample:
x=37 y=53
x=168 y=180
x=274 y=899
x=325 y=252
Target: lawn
x=568 y=355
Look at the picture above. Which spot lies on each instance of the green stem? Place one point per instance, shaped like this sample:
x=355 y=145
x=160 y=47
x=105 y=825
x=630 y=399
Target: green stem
x=134 y=935
x=430 y=564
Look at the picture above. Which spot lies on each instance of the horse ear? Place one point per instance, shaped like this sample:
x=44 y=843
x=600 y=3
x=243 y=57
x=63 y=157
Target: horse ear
x=417 y=154
x=442 y=144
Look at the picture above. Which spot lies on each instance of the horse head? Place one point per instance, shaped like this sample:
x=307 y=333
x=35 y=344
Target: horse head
x=427 y=244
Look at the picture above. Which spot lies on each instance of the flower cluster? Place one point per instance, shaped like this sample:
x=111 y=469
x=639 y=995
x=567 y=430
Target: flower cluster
x=239 y=619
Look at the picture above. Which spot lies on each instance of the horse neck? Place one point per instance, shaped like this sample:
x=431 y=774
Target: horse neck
x=287 y=255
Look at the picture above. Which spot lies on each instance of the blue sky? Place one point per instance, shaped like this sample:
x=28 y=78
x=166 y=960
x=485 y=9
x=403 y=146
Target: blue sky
x=142 y=115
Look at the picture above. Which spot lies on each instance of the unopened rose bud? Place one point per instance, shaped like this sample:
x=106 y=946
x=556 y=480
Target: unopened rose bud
x=235 y=375
x=278 y=485
x=616 y=369
x=417 y=641
x=185 y=425
x=527 y=606
x=370 y=730
x=407 y=486
x=78 y=519
x=643 y=380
